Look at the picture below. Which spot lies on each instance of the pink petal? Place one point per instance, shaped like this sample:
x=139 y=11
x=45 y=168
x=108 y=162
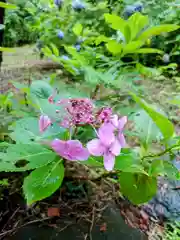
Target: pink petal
x=76 y=151
x=59 y=146
x=122 y=140
x=122 y=123
x=44 y=122
x=96 y=148
x=109 y=161
x=115 y=121
x=106 y=134
x=115 y=148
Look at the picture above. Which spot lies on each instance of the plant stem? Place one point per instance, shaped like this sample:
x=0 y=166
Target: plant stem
x=161 y=153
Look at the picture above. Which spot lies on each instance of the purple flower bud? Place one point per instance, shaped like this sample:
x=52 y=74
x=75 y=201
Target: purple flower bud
x=58 y=2
x=138 y=7
x=129 y=10
x=60 y=34
x=65 y=57
x=166 y=58
x=78 y=47
x=78 y=5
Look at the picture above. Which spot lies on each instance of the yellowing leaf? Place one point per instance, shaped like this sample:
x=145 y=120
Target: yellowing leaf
x=148 y=50
x=116 y=22
x=114 y=47
x=157 y=30
x=77 y=29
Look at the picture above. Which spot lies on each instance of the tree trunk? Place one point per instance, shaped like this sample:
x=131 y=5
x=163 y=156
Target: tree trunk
x=2 y=17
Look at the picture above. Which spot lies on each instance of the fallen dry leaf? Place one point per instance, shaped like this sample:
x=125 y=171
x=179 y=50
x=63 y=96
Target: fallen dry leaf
x=53 y=212
x=103 y=227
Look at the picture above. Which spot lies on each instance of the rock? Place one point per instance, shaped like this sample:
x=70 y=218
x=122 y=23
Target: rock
x=111 y=227
x=166 y=204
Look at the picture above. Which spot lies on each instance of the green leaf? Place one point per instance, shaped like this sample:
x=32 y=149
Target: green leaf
x=116 y=22
x=93 y=161
x=136 y=23
x=157 y=30
x=7 y=5
x=77 y=29
x=132 y=47
x=41 y=89
x=163 y=168
x=138 y=188
x=25 y=130
x=146 y=128
x=128 y=162
x=27 y=156
x=165 y=126
x=148 y=50
x=114 y=47
x=55 y=50
x=3 y=49
x=43 y=182
x=101 y=39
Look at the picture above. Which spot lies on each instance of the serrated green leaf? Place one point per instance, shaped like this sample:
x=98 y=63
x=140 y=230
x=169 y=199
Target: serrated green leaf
x=41 y=89
x=146 y=128
x=25 y=130
x=114 y=47
x=43 y=182
x=165 y=126
x=157 y=30
x=138 y=188
x=77 y=29
x=22 y=157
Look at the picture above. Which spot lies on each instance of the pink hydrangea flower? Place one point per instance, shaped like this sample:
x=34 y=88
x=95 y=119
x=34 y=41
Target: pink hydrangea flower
x=72 y=150
x=103 y=115
x=119 y=124
x=79 y=111
x=44 y=123
x=108 y=144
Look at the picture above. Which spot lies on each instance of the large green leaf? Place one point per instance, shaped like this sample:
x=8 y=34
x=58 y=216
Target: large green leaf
x=165 y=126
x=157 y=30
x=129 y=162
x=163 y=168
x=25 y=130
x=138 y=188
x=145 y=127
x=43 y=182
x=136 y=23
x=41 y=89
x=132 y=46
x=21 y=157
x=116 y=22
x=114 y=47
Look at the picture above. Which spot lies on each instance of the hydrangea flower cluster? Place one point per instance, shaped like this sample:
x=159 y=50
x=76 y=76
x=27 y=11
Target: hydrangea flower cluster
x=81 y=111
